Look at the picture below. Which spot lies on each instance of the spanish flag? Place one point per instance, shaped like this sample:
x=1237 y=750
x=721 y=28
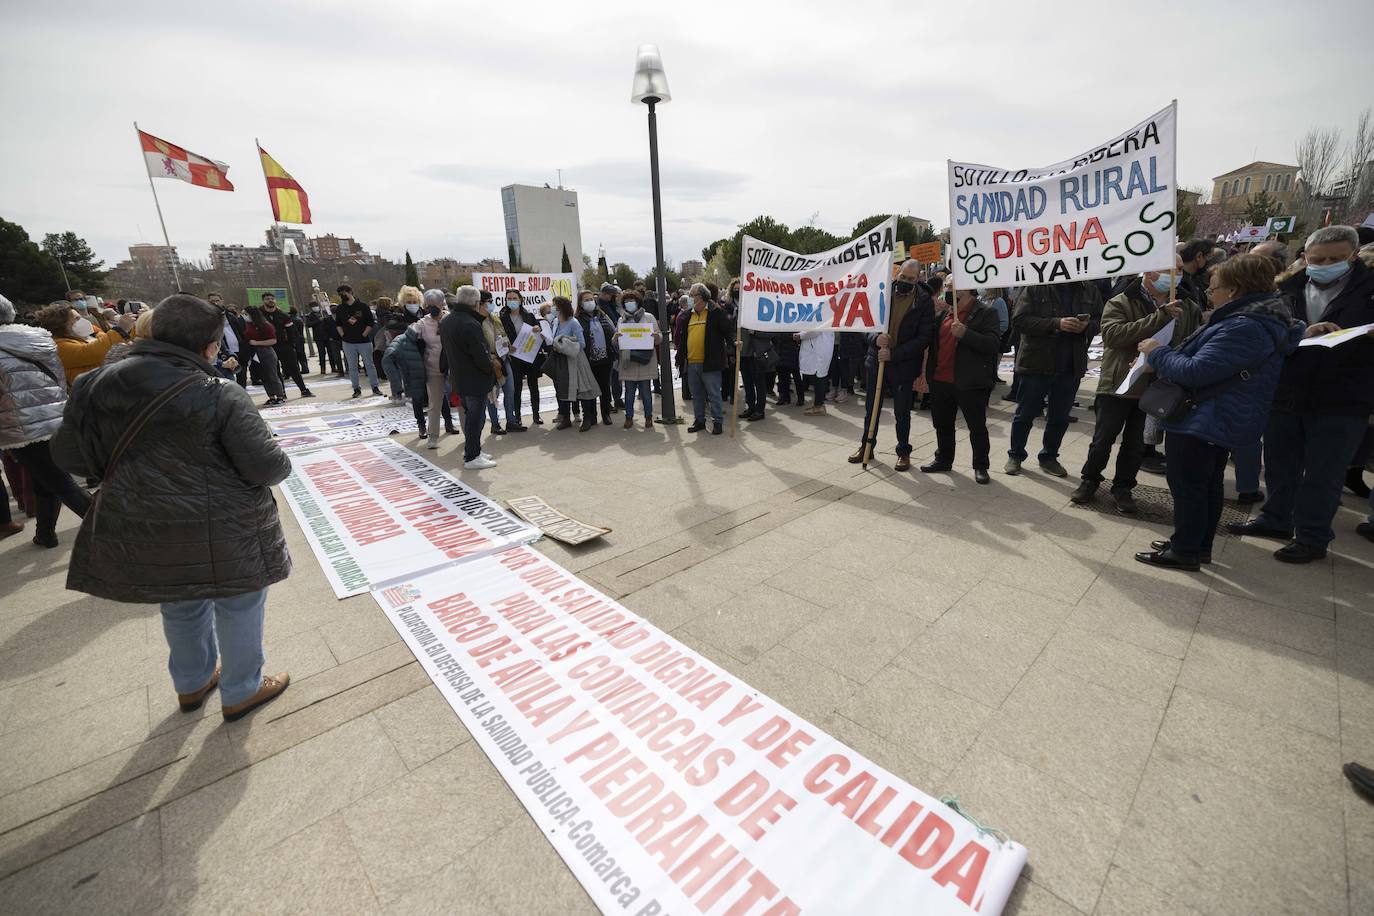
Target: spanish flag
x=289 y=201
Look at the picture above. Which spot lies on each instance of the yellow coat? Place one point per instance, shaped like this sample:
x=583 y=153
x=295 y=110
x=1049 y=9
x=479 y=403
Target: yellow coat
x=81 y=356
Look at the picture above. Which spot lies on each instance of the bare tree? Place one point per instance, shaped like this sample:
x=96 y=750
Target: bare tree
x=1318 y=154
x=1357 y=177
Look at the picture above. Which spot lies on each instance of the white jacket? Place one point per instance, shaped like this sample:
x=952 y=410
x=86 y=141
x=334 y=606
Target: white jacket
x=817 y=346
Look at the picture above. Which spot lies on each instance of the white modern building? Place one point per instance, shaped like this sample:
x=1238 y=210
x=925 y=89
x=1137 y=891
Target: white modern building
x=539 y=223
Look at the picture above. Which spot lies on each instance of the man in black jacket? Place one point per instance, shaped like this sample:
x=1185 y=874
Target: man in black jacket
x=904 y=351
x=288 y=330
x=961 y=371
x=710 y=332
x=1323 y=402
x=357 y=325
x=235 y=338
x=471 y=371
x=1055 y=324
x=186 y=517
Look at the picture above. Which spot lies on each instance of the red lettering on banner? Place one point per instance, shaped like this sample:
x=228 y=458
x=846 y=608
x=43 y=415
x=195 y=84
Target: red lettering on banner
x=493 y=651
x=516 y=560
x=701 y=865
x=964 y=870
x=582 y=721
x=669 y=847
x=594 y=749
x=743 y=708
x=710 y=767
x=813 y=781
x=512 y=674
x=928 y=841
x=766 y=812
x=767 y=733
x=735 y=800
x=541 y=714
x=902 y=822
x=868 y=820
x=655 y=817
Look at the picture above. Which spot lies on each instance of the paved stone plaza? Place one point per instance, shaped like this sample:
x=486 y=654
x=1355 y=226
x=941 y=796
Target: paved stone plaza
x=1161 y=742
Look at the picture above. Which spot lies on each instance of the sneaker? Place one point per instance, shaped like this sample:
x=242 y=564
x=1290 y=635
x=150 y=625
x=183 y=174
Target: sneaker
x=1087 y=489
x=272 y=687
x=1054 y=468
x=432 y=443
x=1013 y=466
x=376 y=392
x=841 y=396
x=357 y=392
x=1298 y=552
x=497 y=431
x=307 y=393
x=816 y=411
x=480 y=463
x=696 y=427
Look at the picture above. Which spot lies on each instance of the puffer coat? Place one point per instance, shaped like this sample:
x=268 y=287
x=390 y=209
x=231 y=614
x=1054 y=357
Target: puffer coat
x=405 y=355
x=188 y=513
x=33 y=389
x=1253 y=333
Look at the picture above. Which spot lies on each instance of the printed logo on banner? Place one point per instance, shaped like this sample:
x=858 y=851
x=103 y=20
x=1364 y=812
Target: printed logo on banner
x=844 y=289
x=398 y=595
x=1107 y=212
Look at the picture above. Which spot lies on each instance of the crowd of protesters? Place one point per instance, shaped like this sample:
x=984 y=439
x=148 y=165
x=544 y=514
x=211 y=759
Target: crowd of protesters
x=115 y=399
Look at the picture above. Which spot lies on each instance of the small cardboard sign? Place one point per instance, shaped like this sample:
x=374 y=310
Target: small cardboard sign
x=554 y=523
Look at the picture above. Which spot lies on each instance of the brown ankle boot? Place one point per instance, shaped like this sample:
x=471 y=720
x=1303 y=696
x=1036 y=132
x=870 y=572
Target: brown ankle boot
x=648 y=422
x=272 y=687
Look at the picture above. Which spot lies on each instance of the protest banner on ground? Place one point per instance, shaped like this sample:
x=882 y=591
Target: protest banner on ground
x=636 y=336
x=844 y=289
x=535 y=289
x=313 y=407
x=1109 y=211
x=554 y=523
x=373 y=511
x=309 y=433
x=666 y=784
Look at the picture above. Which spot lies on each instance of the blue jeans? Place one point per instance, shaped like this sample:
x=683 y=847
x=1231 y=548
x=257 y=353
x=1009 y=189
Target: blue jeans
x=1036 y=390
x=645 y=391
x=474 y=421
x=1305 y=460
x=705 y=386
x=353 y=352
x=228 y=630
x=1247 y=467
x=508 y=396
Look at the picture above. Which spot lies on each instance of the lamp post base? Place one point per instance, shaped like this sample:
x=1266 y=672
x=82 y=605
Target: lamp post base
x=675 y=421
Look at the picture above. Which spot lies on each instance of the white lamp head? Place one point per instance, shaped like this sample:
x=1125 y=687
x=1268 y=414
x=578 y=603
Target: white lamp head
x=651 y=83
x=288 y=249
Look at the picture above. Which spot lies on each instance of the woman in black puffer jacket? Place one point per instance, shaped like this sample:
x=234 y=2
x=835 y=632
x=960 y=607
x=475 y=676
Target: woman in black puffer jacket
x=185 y=516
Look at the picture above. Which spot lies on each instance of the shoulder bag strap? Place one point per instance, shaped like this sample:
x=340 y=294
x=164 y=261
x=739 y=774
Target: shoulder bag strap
x=134 y=428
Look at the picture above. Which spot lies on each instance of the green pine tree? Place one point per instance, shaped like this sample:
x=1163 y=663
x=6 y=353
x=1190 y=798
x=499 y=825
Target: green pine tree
x=28 y=274
x=567 y=264
x=412 y=275
x=82 y=267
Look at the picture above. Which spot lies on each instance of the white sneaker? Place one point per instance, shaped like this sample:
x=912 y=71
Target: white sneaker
x=487 y=455
x=480 y=463
x=432 y=442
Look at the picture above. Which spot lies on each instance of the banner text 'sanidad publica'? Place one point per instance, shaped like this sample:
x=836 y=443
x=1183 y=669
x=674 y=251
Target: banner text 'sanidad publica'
x=844 y=289
x=1108 y=212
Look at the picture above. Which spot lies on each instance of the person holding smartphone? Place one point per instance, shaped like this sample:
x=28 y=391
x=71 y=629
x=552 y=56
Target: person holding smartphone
x=1055 y=324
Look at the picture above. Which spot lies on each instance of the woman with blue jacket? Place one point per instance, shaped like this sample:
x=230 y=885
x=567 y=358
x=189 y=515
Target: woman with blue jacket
x=1230 y=368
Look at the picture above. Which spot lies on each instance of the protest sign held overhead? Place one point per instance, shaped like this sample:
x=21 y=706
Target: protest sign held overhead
x=1106 y=212
x=535 y=289
x=843 y=289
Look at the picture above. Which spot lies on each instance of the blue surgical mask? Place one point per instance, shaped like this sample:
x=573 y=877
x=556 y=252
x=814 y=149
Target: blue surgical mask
x=413 y=308
x=1327 y=273
x=1160 y=283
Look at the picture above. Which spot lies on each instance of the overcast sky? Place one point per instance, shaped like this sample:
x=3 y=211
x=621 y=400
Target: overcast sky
x=403 y=119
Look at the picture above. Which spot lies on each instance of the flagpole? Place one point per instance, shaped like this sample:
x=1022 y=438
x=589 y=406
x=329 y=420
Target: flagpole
x=1173 y=265
x=176 y=275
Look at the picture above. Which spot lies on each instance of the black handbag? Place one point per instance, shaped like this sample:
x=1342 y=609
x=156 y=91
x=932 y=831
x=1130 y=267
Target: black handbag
x=1170 y=402
x=767 y=361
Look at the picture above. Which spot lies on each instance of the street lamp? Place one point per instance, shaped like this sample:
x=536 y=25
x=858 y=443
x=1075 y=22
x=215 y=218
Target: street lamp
x=651 y=87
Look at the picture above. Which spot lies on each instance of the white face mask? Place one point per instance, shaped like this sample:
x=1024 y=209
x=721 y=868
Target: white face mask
x=82 y=328
x=589 y=306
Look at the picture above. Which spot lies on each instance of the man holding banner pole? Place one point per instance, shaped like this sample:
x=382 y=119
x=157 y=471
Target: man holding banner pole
x=895 y=359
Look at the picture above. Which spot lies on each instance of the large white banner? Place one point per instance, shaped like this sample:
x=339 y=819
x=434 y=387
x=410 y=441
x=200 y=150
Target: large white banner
x=374 y=511
x=665 y=783
x=535 y=289
x=1109 y=211
x=313 y=407
x=310 y=433
x=844 y=289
